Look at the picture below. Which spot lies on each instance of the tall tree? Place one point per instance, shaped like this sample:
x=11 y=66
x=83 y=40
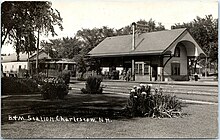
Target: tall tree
x=92 y=37
x=45 y=18
x=20 y=19
x=16 y=25
x=62 y=48
x=8 y=20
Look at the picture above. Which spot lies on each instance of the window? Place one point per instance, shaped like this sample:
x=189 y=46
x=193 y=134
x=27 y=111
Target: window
x=141 y=68
x=24 y=66
x=177 y=52
x=146 y=69
x=175 y=68
x=138 y=68
x=5 y=67
x=12 y=66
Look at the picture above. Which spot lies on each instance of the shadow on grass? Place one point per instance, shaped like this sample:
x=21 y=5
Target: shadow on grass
x=112 y=106
x=78 y=105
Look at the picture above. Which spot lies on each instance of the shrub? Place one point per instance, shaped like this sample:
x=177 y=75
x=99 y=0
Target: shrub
x=143 y=102
x=30 y=83
x=15 y=86
x=54 y=88
x=93 y=85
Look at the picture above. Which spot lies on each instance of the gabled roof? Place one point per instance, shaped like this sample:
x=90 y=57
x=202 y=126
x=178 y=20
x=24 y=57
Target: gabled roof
x=146 y=43
x=42 y=55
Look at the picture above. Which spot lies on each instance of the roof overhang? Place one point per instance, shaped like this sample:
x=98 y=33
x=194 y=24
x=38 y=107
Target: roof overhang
x=127 y=54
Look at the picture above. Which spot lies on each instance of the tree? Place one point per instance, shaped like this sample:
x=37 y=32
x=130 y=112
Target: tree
x=82 y=65
x=148 y=26
x=16 y=26
x=49 y=47
x=142 y=26
x=62 y=48
x=92 y=37
x=8 y=20
x=20 y=20
x=124 y=31
x=45 y=18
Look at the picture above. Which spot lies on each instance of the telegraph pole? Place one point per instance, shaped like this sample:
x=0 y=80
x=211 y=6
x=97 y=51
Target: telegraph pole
x=37 y=54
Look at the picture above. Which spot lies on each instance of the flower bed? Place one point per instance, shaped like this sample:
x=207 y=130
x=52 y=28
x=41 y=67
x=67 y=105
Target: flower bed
x=143 y=102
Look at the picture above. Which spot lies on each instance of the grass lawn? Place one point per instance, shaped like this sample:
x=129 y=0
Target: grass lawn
x=201 y=121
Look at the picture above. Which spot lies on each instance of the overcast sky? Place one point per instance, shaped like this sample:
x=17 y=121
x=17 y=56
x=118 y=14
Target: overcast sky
x=78 y=14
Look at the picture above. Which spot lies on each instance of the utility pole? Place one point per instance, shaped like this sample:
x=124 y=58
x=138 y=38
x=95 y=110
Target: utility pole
x=37 y=54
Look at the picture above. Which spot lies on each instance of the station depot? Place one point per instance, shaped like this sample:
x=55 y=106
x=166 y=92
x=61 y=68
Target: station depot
x=155 y=56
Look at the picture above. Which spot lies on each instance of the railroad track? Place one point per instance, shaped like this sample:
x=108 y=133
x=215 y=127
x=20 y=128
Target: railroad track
x=191 y=93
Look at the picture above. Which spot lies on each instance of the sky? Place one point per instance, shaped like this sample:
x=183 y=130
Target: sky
x=78 y=14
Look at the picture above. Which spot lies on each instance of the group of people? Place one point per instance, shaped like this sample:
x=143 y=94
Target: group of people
x=127 y=74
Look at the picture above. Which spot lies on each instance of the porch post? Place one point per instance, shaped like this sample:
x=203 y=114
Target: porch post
x=132 y=70
x=159 y=73
x=133 y=48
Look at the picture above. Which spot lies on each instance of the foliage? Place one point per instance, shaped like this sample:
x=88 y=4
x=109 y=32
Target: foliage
x=20 y=21
x=93 y=85
x=92 y=37
x=65 y=75
x=39 y=78
x=54 y=88
x=148 y=26
x=13 y=86
x=16 y=26
x=62 y=48
x=81 y=62
x=143 y=102
x=142 y=26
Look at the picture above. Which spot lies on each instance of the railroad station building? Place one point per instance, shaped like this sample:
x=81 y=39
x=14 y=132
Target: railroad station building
x=155 y=56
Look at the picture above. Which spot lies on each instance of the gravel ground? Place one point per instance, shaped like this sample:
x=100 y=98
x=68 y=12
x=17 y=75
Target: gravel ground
x=201 y=122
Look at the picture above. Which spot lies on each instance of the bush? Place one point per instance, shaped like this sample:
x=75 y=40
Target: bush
x=143 y=102
x=15 y=86
x=54 y=88
x=30 y=83
x=93 y=85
